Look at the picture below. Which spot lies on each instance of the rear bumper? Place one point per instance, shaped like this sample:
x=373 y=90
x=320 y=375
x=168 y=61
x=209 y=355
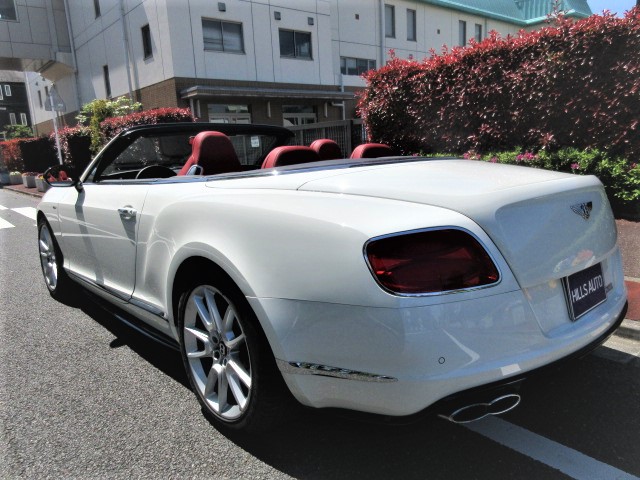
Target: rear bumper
x=399 y=362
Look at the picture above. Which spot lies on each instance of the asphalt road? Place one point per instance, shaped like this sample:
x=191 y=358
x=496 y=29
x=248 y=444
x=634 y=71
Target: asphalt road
x=82 y=396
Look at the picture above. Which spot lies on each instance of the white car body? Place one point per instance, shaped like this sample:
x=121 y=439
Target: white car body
x=293 y=242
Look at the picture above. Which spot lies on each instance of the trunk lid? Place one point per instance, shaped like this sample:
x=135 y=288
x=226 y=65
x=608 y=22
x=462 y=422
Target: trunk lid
x=534 y=216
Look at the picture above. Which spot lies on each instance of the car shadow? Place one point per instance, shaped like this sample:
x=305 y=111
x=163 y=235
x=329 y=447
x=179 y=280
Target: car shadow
x=165 y=359
x=567 y=405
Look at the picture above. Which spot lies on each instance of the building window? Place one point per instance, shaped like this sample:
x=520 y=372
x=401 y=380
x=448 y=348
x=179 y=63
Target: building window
x=462 y=33
x=8 y=10
x=40 y=98
x=96 y=7
x=23 y=118
x=219 y=113
x=478 y=32
x=107 y=81
x=12 y=118
x=356 y=66
x=411 y=25
x=46 y=92
x=146 y=42
x=222 y=36
x=1 y=96
x=298 y=115
x=295 y=44
x=389 y=21
x=7 y=90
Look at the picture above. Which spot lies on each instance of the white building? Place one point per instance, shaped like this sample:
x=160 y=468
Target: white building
x=262 y=61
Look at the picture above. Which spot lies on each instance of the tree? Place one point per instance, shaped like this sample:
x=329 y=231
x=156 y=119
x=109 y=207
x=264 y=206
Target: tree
x=17 y=131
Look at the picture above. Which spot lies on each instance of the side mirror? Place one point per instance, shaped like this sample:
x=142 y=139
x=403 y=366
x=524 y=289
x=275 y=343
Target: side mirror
x=62 y=176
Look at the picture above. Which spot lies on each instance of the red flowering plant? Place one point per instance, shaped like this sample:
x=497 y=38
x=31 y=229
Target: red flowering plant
x=11 y=155
x=112 y=126
x=576 y=84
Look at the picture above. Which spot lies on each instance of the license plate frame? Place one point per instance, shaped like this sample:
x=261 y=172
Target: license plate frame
x=585 y=290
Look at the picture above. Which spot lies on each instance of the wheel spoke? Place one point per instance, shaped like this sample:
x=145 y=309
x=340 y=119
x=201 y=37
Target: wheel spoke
x=227 y=324
x=236 y=390
x=234 y=343
x=223 y=386
x=212 y=379
x=201 y=353
x=203 y=312
x=213 y=309
x=243 y=375
x=199 y=334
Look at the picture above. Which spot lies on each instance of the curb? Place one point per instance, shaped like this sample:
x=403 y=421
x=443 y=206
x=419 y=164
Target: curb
x=23 y=190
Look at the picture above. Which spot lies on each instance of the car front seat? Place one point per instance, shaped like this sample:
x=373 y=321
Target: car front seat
x=213 y=152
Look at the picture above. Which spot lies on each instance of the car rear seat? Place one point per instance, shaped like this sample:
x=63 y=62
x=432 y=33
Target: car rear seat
x=213 y=152
x=327 y=149
x=372 y=150
x=290 y=155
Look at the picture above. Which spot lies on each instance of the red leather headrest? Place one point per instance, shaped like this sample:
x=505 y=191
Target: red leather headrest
x=327 y=149
x=290 y=155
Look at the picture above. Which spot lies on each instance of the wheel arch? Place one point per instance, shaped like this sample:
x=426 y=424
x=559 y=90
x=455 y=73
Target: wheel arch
x=196 y=267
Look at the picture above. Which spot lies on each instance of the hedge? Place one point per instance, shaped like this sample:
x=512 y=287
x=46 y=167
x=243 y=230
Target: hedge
x=573 y=85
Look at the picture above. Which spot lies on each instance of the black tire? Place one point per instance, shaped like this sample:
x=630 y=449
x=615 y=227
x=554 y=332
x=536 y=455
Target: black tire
x=267 y=398
x=51 y=261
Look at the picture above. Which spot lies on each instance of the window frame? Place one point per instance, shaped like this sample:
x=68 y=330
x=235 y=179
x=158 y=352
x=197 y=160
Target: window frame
x=107 y=81
x=12 y=118
x=344 y=67
x=147 y=45
x=412 y=25
x=478 y=32
x=388 y=8
x=40 y=98
x=7 y=91
x=462 y=33
x=296 y=49
x=23 y=119
x=15 y=14
x=224 y=49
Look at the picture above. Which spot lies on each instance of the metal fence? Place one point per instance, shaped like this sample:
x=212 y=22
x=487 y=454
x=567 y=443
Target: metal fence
x=346 y=133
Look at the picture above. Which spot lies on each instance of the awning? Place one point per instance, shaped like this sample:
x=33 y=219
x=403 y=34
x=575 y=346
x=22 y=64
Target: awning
x=203 y=92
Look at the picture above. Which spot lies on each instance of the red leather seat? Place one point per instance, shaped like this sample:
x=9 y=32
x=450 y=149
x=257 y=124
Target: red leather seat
x=214 y=152
x=372 y=150
x=290 y=155
x=327 y=149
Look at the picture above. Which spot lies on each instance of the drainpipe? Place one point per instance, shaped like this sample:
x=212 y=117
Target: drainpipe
x=72 y=45
x=125 y=42
x=382 y=33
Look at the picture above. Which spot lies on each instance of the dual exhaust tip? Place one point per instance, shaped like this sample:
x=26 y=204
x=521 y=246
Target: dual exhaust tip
x=478 y=411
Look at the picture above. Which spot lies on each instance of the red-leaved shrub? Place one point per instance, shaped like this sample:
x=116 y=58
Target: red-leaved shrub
x=112 y=126
x=573 y=85
x=11 y=154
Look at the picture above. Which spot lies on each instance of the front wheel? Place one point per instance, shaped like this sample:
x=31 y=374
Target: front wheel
x=56 y=279
x=227 y=359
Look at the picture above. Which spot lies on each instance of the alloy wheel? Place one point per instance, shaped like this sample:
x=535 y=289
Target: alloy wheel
x=217 y=352
x=48 y=258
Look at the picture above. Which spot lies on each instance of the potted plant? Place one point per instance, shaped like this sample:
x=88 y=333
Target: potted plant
x=41 y=185
x=5 y=179
x=15 y=178
x=29 y=179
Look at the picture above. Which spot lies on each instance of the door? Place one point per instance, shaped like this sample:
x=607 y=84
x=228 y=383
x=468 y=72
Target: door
x=99 y=228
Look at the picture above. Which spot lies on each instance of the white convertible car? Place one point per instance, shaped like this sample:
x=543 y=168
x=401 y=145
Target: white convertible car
x=389 y=285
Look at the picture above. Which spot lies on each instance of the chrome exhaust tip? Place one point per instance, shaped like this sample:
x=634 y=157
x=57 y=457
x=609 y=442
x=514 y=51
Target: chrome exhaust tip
x=478 y=411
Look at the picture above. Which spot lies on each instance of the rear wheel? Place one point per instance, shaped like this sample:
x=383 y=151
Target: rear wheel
x=56 y=279
x=227 y=358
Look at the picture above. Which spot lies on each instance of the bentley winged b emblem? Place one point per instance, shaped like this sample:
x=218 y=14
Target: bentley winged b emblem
x=583 y=209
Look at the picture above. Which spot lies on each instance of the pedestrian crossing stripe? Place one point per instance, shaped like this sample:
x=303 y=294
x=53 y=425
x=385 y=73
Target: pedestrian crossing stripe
x=2 y=208
x=5 y=224
x=29 y=212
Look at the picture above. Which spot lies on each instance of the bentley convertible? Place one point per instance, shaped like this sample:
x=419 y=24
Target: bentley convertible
x=376 y=283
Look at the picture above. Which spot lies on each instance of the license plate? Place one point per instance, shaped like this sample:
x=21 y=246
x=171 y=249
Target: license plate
x=585 y=290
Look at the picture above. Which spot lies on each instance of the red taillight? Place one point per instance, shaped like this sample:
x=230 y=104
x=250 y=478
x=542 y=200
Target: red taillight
x=430 y=261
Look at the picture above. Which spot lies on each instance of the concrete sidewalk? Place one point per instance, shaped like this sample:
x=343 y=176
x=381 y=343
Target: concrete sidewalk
x=628 y=239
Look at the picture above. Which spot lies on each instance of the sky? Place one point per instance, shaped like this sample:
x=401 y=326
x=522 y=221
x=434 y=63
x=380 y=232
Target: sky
x=618 y=6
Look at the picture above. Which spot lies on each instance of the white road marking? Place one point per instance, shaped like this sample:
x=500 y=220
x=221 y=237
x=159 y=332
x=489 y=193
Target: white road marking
x=624 y=345
x=5 y=224
x=2 y=208
x=29 y=212
x=555 y=455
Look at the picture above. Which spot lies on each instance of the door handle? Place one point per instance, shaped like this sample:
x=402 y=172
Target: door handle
x=127 y=213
